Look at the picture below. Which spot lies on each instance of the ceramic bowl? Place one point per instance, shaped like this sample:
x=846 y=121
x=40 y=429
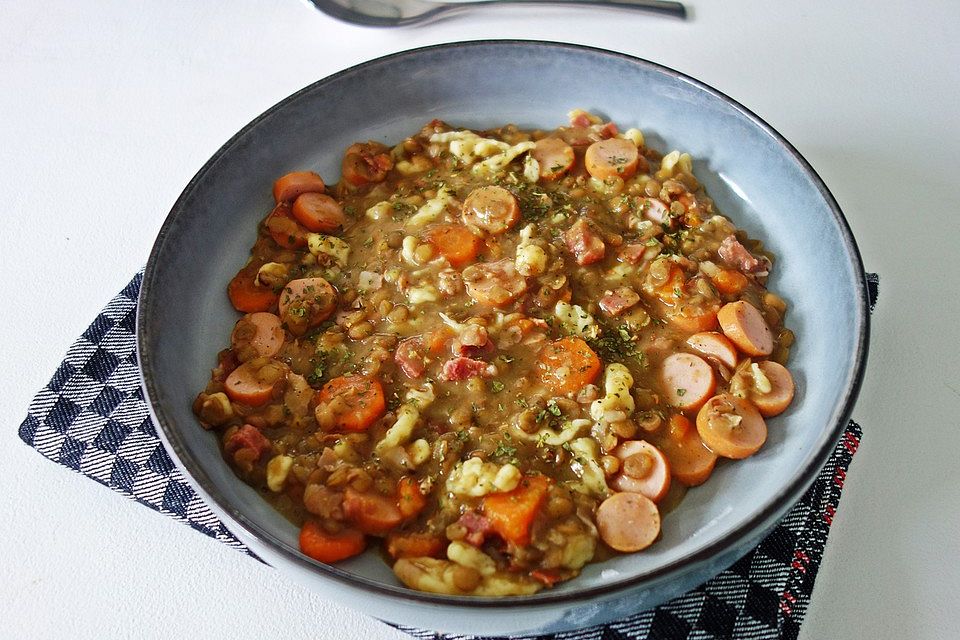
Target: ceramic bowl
x=755 y=176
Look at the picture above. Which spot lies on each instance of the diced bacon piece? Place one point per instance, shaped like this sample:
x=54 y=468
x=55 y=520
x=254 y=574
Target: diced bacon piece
x=632 y=253
x=461 y=368
x=580 y=120
x=735 y=254
x=616 y=302
x=654 y=210
x=609 y=130
x=473 y=342
x=409 y=356
x=247 y=437
x=548 y=577
x=477 y=527
x=586 y=246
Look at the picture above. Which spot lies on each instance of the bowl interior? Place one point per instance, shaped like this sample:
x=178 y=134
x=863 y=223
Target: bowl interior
x=754 y=177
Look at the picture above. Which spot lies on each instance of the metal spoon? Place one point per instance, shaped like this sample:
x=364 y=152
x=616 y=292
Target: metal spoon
x=398 y=13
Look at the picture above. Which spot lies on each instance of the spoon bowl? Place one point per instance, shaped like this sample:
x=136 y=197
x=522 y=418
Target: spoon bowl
x=399 y=13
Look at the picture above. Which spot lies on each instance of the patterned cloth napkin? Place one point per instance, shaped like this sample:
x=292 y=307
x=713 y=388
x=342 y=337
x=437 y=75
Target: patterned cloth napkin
x=92 y=418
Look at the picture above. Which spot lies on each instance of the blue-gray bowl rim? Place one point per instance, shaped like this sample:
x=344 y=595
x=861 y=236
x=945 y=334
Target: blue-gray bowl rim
x=775 y=509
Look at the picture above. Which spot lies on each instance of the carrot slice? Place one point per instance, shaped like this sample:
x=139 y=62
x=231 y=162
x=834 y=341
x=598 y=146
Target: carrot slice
x=455 y=242
x=730 y=282
x=371 y=513
x=359 y=401
x=511 y=514
x=292 y=185
x=410 y=500
x=284 y=230
x=731 y=427
x=253 y=381
x=248 y=296
x=691 y=463
x=318 y=212
x=415 y=545
x=330 y=547
x=568 y=364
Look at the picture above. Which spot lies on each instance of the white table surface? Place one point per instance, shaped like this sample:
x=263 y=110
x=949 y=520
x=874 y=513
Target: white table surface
x=108 y=108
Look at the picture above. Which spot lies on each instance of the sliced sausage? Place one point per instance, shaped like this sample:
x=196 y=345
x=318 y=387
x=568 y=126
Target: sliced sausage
x=284 y=230
x=287 y=188
x=746 y=327
x=554 y=156
x=318 y=212
x=254 y=381
x=691 y=462
x=495 y=283
x=687 y=381
x=616 y=302
x=612 y=157
x=643 y=469
x=781 y=391
x=715 y=345
x=257 y=334
x=491 y=208
x=586 y=246
x=731 y=427
x=628 y=522
x=305 y=303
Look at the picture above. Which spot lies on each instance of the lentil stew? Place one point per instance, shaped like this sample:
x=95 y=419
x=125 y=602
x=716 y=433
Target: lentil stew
x=500 y=355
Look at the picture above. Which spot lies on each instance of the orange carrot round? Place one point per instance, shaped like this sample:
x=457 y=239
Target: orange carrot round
x=415 y=545
x=455 y=242
x=568 y=364
x=330 y=547
x=360 y=401
x=730 y=282
x=248 y=296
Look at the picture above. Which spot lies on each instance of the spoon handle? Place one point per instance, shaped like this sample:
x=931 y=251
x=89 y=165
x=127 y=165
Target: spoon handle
x=662 y=7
